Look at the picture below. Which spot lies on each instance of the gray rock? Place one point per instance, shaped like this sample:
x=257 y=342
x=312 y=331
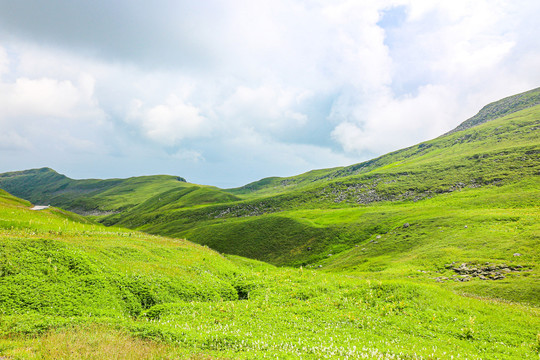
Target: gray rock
x=406 y=225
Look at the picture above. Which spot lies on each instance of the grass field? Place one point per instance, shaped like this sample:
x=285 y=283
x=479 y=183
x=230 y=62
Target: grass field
x=69 y=287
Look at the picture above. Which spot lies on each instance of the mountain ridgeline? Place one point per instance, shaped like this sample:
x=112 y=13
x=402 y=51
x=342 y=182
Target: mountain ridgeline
x=502 y=108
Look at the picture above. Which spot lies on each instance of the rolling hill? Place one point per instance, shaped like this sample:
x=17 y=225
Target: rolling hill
x=306 y=220
x=102 y=197
x=476 y=177
x=70 y=288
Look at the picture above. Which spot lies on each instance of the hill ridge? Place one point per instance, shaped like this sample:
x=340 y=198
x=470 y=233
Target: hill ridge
x=500 y=108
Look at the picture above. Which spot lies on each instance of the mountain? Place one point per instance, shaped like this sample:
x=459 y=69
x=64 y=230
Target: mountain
x=492 y=111
x=502 y=108
x=102 y=197
x=301 y=220
x=432 y=251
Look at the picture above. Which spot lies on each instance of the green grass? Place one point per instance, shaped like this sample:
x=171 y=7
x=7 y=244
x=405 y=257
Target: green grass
x=371 y=248
x=45 y=186
x=330 y=211
x=50 y=264
x=502 y=108
x=74 y=287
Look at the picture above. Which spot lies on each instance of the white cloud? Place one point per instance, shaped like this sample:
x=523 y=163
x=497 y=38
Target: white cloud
x=265 y=108
x=254 y=153
x=272 y=85
x=47 y=114
x=170 y=122
x=43 y=97
x=189 y=155
x=12 y=141
x=4 y=61
x=448 y=59
x=396 y=123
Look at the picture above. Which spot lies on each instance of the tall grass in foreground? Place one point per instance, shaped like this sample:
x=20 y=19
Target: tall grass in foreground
x=97 y=342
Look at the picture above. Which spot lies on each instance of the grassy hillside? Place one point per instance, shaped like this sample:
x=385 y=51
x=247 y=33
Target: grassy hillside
x=502 y=108
x=496 y=163
x=73 y=289
x=461 y=143
x=103 y=197
x=480 y=177
x=57 y=262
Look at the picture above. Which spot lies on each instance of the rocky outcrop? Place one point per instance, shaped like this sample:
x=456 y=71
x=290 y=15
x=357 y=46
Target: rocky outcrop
x=468 y=271
x=243 y=210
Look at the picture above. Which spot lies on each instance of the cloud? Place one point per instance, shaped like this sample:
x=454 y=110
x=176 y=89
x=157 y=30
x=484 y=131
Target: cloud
x=47 y=98
x=157 y=34
x=4 y=61
x=189 y=155
x=447 y=60
x=12 y=141
x=47 y=115
x=396 y=123
x=251 y=88
x=266 y=108
x=170 y=122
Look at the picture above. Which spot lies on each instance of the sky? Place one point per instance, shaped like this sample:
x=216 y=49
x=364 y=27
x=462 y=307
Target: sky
x=225 y=92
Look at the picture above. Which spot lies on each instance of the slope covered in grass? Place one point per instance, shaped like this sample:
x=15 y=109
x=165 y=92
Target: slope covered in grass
x=470 y=197
x=492 y=162
x=102 y=197
x=50 y=263
x=515 y=126
x=74 y=289
x=502 y=108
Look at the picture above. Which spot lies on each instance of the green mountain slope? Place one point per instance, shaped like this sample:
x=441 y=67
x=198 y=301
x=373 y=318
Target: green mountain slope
x=58 y=263
x=502 y=108
x=428 y=252
x=67 y=286
x=483 y=179
x=101 y=197
x=488 y=159
x=462 y=143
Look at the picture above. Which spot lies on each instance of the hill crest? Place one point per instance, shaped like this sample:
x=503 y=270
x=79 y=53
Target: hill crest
x=500 y=108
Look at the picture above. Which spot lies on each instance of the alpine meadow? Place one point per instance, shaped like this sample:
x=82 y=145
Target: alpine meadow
x=429 y=252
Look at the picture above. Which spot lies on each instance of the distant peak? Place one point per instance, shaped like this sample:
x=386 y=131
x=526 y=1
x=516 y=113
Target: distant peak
x=501 y=108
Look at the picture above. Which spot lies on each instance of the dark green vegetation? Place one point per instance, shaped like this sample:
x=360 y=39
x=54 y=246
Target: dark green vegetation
x=105 y=197
x=428 y=252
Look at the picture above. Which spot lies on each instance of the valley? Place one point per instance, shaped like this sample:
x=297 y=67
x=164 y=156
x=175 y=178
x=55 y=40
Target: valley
x=432 y=251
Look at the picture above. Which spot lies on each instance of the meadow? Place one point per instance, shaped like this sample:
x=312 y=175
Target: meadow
x=429 y=252
x=73 y=289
